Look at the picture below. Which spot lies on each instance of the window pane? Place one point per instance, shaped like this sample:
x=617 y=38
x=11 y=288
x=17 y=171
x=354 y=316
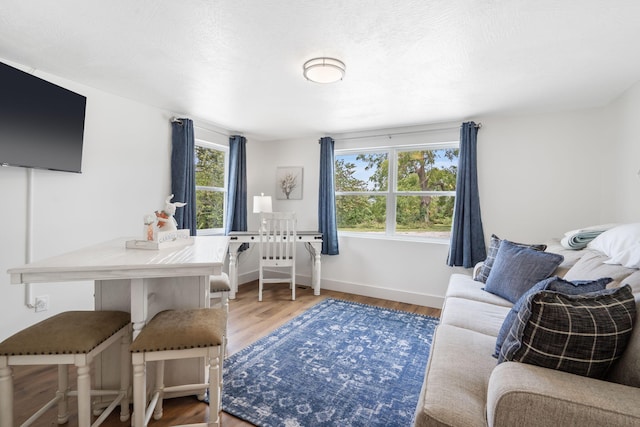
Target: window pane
x=426 y=216
x=209 y=209
x=362 y=172
x=428 y=170
x=209 y=167
x=361 y=213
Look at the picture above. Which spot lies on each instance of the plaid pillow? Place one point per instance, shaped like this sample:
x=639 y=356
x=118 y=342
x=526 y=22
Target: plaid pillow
x=580 y=334
x=556 y=284
x=494 y=245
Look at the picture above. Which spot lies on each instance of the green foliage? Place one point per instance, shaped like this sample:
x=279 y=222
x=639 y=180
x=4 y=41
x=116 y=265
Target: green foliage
x=417 y=171
x=209 y=164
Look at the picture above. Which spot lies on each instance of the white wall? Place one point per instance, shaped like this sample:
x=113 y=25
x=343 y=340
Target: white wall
x=621 y=190
x=539 y=176
x=126 y=170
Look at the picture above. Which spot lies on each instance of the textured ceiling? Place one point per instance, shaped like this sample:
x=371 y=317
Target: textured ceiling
x=238 y=63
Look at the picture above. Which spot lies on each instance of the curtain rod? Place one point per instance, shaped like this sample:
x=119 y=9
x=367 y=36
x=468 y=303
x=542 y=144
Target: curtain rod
x=392 y=134
x=177 y=120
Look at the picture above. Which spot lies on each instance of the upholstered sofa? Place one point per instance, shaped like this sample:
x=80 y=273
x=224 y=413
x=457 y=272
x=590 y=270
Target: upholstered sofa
x=466 y=386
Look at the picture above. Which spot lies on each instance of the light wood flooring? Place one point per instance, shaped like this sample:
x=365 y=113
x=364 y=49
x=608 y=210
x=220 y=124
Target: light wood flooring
x=249 y=320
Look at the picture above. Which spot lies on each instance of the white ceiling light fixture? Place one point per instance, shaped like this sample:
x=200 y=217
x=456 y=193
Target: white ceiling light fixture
x=324 y=70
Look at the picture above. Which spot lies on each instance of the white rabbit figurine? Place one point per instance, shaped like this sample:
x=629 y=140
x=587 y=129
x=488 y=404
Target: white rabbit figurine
x=166 y=221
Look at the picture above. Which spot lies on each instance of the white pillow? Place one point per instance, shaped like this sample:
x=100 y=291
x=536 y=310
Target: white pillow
x=618 y=239
x=629 y=258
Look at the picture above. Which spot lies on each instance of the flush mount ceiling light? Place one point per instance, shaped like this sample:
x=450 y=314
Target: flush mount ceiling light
x=324 y=70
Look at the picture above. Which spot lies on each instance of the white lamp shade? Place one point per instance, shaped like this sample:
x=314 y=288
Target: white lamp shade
x=262 y=203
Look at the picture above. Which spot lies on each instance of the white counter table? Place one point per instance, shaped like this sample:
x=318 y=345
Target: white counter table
x=142 y=282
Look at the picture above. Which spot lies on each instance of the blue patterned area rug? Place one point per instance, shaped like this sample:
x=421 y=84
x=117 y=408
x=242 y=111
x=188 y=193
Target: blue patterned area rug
x=338 y=364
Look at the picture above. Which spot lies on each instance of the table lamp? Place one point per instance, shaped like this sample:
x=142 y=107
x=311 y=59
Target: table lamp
x=261 y=204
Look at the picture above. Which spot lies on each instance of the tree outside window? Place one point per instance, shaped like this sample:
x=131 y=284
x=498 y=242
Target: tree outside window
x=210 y=164
x=406 y=191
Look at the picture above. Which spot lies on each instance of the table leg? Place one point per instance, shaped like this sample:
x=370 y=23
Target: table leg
x=139 y=305
x=315 y=273
x=233 y=269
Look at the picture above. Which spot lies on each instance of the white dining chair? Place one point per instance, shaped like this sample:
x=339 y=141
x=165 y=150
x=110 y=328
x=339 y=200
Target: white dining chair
x=277 y=249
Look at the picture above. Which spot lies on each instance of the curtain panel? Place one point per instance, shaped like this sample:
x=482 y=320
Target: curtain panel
x=467 y=236
x=327 y=223
x=236 y=217
x=183 y=177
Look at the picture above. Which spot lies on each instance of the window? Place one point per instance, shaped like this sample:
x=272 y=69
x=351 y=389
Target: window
x=400 y=191
x=210 y=187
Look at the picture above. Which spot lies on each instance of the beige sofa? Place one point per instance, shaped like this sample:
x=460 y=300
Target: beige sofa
x=464 y=386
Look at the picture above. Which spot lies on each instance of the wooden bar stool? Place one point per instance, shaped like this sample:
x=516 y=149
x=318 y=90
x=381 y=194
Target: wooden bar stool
x=219 y=288
x=178 y=334
x=69 y=338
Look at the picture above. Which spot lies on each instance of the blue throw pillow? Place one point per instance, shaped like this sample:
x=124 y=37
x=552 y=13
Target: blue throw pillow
x=494 y=245
x=516 y=269
x=581 y=334
x=555 y=284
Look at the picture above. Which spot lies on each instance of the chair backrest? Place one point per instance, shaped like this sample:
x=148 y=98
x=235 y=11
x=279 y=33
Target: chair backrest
x=277 y=236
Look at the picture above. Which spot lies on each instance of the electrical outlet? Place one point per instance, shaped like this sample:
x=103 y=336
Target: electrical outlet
x=42 y=303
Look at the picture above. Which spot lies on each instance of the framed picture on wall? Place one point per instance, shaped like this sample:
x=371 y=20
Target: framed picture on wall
x=289 y=183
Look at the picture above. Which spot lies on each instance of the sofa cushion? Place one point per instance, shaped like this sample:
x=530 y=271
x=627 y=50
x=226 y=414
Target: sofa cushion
x=552 y=284
x=492 y=251
x=485 y=318
x=627 y=369
x=454 y=392
x=580 y=334
x=516 y=269
x=463 y=286
x=591 y=267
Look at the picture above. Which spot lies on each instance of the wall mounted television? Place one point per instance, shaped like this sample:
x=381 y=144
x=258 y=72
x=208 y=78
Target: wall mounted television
x=41 y=124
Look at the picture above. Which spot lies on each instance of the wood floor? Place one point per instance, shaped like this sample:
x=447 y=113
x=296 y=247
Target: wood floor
x=249 y=320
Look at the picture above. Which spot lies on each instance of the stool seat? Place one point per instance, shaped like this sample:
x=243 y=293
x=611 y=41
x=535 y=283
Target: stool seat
x=219 y=283
x=68 y=338
x=72 y=332
x=181 y=329
x=178 y=334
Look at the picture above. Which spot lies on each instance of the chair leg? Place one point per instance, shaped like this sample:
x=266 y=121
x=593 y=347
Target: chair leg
x=63 y=386
x=293 y=282
x=260 y=284
x=6 y=393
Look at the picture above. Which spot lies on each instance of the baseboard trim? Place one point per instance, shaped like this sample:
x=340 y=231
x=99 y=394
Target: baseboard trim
x=360 y=289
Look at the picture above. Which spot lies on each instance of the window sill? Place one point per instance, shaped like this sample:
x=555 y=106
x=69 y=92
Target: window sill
x=401 y=238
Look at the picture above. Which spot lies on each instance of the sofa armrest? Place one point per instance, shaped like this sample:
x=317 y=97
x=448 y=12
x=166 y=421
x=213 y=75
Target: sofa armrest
x=476 y=269
x=522 y=394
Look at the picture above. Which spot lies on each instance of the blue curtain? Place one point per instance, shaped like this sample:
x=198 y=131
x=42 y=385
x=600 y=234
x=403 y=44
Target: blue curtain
x=467 y=236
x=327 y=198
x=183 y=178
x=236 y=219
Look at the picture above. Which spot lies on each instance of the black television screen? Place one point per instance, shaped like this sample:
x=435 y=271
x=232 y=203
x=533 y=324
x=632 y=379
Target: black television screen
x=41 y=124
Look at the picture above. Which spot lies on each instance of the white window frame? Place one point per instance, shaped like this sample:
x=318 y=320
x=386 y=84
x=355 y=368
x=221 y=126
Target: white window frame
x=392 y=191
x=223 y=190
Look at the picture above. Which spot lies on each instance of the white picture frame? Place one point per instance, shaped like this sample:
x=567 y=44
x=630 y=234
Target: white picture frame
x=289 y=182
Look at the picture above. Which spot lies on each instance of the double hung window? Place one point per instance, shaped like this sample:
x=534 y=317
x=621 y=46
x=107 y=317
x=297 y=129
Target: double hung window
x=210 y=167
x=397 y=191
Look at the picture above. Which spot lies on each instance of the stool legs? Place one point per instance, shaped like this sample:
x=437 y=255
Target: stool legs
x=61 y=394
x=6 y=390
x=215 y=394
x=139 y=389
